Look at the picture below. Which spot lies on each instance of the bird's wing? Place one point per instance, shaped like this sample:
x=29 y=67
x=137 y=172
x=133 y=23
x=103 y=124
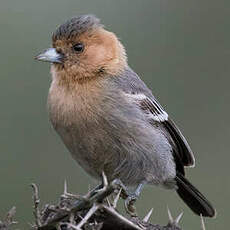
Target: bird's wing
x=151 y=107
x=131 y=84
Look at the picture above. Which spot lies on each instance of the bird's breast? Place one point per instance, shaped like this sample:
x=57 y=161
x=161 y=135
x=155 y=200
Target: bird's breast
x=77 y=116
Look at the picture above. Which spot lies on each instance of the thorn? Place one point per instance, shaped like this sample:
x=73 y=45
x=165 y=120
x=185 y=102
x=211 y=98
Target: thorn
x=73 y=226
x=65 y=187
x=121 y=218
x=92 y=210
x=107 y=199
x=146 y=218
x=67 y=195
x=116 y=198
x=177 y=220
x=80 y=217
x=202 y=222
x=104 y=180
x=10 y=215
x=170 y=216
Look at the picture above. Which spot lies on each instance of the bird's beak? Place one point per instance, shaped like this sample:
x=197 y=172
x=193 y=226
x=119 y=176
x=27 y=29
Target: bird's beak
x=50 y=55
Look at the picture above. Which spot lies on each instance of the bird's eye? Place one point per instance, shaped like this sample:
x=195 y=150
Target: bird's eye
x=79 y=47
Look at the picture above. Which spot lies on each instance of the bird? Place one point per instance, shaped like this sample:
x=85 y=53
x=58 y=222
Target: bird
x=108 y=118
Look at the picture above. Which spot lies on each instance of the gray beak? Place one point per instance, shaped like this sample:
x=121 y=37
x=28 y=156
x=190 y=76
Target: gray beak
x=50 y=55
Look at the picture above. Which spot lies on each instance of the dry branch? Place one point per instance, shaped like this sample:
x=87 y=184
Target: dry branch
x=94 y=211
x=8 y=222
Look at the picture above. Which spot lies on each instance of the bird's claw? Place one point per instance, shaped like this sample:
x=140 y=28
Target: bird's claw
x=129 y=205
x=130 y=198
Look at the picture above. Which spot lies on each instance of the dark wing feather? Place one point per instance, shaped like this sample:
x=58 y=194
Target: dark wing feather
x=182 y=151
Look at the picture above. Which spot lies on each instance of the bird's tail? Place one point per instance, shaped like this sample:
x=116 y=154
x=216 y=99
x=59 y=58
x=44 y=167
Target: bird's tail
x=193 y=198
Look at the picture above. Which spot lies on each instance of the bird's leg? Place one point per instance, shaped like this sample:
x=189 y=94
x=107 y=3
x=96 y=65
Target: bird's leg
x=131 y=199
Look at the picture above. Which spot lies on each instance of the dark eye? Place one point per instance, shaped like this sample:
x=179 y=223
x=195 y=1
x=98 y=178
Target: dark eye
x=79 y=47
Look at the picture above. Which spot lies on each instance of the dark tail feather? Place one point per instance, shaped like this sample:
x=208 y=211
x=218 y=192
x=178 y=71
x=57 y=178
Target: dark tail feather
x=193 y=198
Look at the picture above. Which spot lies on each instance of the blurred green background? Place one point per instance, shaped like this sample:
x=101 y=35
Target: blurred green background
x=179 y=48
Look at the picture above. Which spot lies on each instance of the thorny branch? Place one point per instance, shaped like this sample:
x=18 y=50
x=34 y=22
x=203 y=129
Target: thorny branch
x=6 y=224
x=93 y=211
x=36 y=200
x=97 y=210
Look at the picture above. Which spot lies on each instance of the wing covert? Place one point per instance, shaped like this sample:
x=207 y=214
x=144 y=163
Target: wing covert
x=155 y=112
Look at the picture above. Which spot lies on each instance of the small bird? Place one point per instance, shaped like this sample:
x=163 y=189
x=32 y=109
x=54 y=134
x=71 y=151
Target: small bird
x=109 y=119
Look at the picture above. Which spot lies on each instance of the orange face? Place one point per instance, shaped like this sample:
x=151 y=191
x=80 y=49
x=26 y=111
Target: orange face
x=92 y=53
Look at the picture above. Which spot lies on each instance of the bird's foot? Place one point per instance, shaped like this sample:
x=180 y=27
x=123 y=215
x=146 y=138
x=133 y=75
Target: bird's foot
x=124 y=190
x=129 y=204
x=130 y=198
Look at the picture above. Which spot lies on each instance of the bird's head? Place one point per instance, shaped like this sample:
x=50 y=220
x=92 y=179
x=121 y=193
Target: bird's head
x=82 y=50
